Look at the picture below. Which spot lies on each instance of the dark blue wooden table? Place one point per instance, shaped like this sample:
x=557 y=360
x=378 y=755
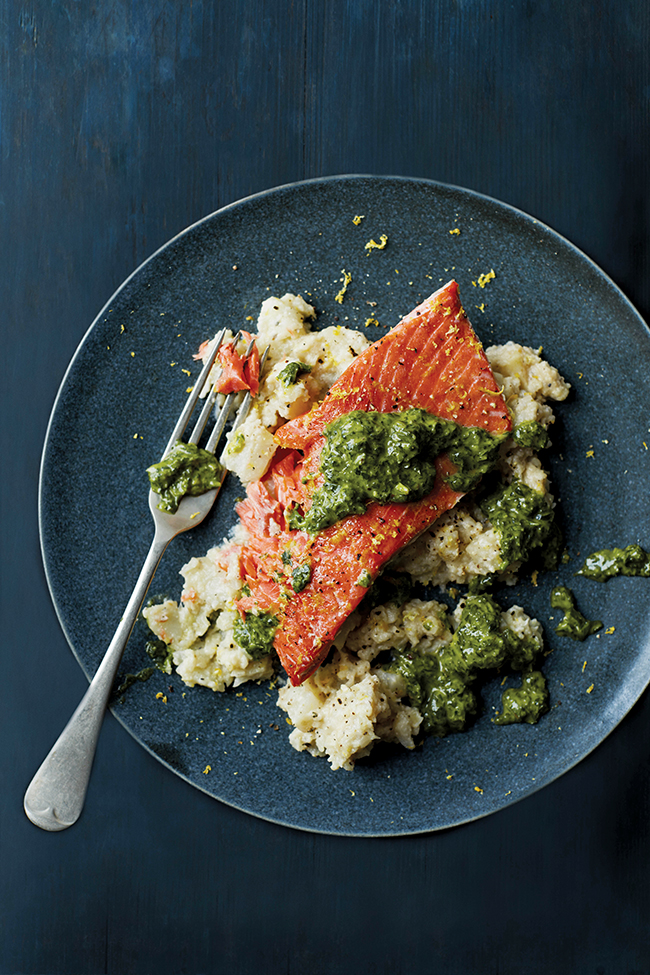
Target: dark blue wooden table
x=123 y=123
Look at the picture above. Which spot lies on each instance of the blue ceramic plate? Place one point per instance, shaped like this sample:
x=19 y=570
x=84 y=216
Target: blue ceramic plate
x=121 y=395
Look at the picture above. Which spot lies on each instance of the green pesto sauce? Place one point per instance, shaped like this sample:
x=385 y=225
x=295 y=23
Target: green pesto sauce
x=531 y=434
x=130 y=679
x=161 y=654
x=525 y=522
x=630 y=561
x=187 y=469
x=390 y=457
x=528 y=702
x=439 y=683
x=364 y=579
x=254 y=633
x=479 y=584
x=300 y=576
x=237 y=444
x=574 y=624
x=291 y=371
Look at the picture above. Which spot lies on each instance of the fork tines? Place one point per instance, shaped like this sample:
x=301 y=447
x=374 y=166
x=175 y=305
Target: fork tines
x=226 y=409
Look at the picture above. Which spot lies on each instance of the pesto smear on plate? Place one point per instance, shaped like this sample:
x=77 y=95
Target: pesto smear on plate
x=609 y=562
x=574 y=624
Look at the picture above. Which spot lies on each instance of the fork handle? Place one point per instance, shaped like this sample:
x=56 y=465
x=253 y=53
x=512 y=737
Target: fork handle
x=56 y=794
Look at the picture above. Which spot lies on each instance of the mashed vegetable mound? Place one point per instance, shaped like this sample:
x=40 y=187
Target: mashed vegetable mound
x=391 y=673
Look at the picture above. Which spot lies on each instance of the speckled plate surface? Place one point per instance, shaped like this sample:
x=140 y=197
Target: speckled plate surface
x=121 y=394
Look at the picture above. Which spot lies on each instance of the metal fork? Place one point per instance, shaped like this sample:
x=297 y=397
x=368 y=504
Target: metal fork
x=56 y=794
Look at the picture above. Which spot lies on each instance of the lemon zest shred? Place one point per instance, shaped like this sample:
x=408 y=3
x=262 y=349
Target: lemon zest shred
x=347 y=277
x=373 y=245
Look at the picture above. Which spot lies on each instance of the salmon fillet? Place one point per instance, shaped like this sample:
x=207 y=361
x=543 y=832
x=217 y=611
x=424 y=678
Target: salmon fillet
x=431 y=360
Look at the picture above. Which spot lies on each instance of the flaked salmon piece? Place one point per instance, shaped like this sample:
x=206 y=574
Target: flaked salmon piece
x=238 y=372
x=431 y=360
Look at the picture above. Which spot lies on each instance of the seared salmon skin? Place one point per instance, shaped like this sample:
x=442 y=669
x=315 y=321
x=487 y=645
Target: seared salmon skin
x=432 y=360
